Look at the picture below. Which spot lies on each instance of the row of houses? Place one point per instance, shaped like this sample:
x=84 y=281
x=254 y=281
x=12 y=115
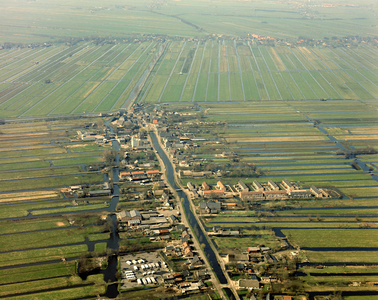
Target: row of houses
x=269 y=191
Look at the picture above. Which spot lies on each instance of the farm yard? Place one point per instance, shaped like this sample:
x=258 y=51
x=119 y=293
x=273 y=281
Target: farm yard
x=87 y=79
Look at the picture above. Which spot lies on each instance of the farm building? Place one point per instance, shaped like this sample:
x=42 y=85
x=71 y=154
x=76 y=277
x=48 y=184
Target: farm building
x=210 y=207
x=245 y=196
x=274 y=195
x=243 y=187
x=287 y=185
x=257 y=186
x=221 y=186
x=273 y=185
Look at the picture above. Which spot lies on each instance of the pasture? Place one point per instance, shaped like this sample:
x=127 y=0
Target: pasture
x=40 y=222
x=50 y=21
x=89 y=79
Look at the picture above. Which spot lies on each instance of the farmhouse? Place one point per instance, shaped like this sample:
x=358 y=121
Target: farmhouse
x=243 y=187
x=287 y=185
x=257 y=186
x=273 y=185
x=316 y=192
x=221 y=186
x=205 y=186
x=210 y=207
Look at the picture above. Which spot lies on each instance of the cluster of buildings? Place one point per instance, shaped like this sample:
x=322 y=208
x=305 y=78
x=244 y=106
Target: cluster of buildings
x=182 y=248
x=185 y=281
x=150 y=222
x=147 y=175
x=253 y=192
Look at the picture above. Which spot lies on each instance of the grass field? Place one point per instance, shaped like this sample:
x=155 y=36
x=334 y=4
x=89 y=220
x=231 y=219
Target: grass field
x=95 y=78
x=38 y=223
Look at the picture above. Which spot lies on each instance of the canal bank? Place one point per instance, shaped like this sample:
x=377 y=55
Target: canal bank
x=194 y=224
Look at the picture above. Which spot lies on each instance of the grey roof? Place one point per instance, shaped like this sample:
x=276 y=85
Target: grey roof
x=211 y=205
x=315 y=190
x=287 y=182
x=100 y=192
x=195 y=259
x=133 y=213
x=243 y=185
x=273 y=184
x=180 y=227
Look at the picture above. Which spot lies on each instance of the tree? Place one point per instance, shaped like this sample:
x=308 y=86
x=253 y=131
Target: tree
x=100 y=123
x=109 y=156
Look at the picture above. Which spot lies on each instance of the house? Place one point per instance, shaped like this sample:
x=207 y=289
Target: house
x=180 y=227
x=164 y=197
x=173 y=219
x=273 y=186
x=184 y=234
x=183 y=164
x=188 y=252
x=196 y=261
x=221 y=186
x=186 y=274
x=316 y=192
x=257 y=186
x=190 y=186
x=203 y=275
x=243 y=187
x=205 y=186
x=169 y=250
x=287 y=185
x=124 y=175
x=153 y=173
x=185 y=239
x=210 y=207
x=248 y=284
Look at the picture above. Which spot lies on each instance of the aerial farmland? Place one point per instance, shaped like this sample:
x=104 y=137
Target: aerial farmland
x=191 y=149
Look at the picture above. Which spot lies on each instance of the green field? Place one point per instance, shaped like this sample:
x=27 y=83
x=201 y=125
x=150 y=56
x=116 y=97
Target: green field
x=86 y=79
